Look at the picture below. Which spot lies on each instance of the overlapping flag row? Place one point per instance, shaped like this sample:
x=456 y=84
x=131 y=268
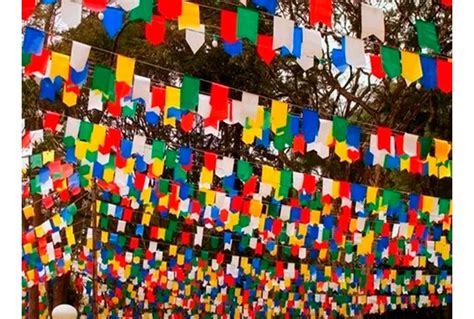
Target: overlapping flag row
x=302 y=43
x=105 y=155
x=146 y=279
x=269 y=127
x=318 y=236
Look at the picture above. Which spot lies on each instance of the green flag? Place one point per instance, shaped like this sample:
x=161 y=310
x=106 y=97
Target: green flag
x=189 y=96
x=143 y=12
x=244 y=170
x=339 y=128
x=427 y=36
x=103 y=80
x=85 y=131
x=247 y=24
x=425 y=146
x=391 y=62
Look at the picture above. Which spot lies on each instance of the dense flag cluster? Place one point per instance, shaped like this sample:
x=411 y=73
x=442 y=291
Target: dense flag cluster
x=181 y=232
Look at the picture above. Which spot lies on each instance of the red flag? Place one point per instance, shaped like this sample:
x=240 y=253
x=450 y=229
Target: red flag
x=187 y=122
x=376 y=64
x=299 y=144
x=309 y=183
x=265 y=48
x=210 y=161
x=51 y=121
x=95 y=5
x=219 y=104
x=399 y=144
x=158 y=97
x=320 y=11
x=445 y=75
x=27 y=8
x=447 y=3
x=155 y=30
x=170 y=9
x=384 y=135
x=229 y=26
x=38 y=63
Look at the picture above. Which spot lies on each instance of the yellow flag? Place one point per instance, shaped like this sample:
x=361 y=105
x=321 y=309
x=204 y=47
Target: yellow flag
x=48 y=156
x=173 y=249
x=59 y=65
x=189 y=18
x=428 y=203
x=70 y=236
x=125 y=69
x=172 y=100
x=371 y=194
x=146 y=218
x=341 y=151
x=365 y=247
x=108 y=175
x=98 y=136
x=28 y=211
x=278 y=115
x=255 y=208
x=69 y=97
x=442 y=149
x=411 y=66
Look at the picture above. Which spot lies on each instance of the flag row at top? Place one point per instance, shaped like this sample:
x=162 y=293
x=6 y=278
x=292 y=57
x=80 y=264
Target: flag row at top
x=296 y=41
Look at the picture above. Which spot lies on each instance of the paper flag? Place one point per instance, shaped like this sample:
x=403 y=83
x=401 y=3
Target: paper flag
x=391 y=61
x=411 y=66
x=312 y=44
x=372 y=22
x=39 y=63
x=125 y=69
x=59 y=66
x=376 y=65
x=228 y=26
x=95 y=5
x=143 y=12
x=427 y=36
x=189 y=93
x=95 y=100
x=278 y=115
x=283 y=31
x=103 y=79
x=355 y=52
x=71 y=13
x=189 y=18
x=269 y=5
x=170 y=9
x=33 y=41
x=264 y=48
x=141 y=89
x=219 y=104
x=320 y=11
x=155 y=30
x=128 y=5
x=247 y=24
x=79 y=55
x=445 y=75
x=429 y=70
x=113 y=21
x=27 y=8
x=195 y=38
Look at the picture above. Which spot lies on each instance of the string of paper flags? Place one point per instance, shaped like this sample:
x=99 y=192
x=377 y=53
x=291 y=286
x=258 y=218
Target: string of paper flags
x=302 y=43
x=296 y=131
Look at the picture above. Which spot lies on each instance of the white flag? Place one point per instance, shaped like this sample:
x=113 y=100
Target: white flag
x=195 y=38
x=372 y=22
